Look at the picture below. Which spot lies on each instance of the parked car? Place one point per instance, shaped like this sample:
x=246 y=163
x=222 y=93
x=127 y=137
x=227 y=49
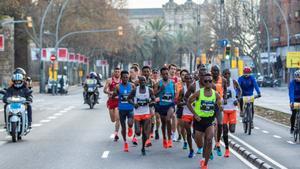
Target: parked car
x=266 y=81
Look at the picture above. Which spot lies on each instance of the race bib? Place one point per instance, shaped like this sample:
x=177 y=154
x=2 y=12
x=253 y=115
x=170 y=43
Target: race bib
x=167 y=98
x=207 y=106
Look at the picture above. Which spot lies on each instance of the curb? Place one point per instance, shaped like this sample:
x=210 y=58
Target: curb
x=249 y=156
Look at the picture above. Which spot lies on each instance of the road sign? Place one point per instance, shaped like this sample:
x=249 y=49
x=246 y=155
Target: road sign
x=62 y=54
x=293 y=60
x=81 y=59
x=77 y=57
x=52 y=58
x=35 y=53
x=223 y=43
x=2 y=42
x=101 y=63
x=71 y=57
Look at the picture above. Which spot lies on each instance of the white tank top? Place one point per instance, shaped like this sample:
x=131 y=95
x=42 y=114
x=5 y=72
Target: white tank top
x=143 y=99
x=231 y=94
x=197 y=85
x=186 y=111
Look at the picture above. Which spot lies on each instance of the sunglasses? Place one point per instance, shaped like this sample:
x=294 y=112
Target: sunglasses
x=207 y=81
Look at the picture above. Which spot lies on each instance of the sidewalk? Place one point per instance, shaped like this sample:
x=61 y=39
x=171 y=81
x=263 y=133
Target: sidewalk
x=275 y=99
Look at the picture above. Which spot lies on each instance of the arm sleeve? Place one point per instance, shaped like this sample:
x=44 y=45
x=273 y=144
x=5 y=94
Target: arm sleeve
x=291 y=92
x=255 y=85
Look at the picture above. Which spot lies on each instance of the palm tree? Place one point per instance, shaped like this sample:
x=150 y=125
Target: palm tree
x=182 y=44
x=161 y=39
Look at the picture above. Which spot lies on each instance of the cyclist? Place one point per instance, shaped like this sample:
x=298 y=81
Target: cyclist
x=204 y=115
x=230 y=109
x=294 y=94
x=248 y=83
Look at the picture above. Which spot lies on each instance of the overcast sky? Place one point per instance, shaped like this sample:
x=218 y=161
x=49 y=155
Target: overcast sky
x=151 y=3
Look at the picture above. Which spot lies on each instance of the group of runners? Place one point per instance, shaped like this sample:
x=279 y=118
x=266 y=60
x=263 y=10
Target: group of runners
x=199 y=106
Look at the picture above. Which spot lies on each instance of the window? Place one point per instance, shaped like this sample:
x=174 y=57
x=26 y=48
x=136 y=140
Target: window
x=297 y=14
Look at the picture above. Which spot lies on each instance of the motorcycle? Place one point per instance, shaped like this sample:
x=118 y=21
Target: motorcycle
x=17 y=119
x=92 y=88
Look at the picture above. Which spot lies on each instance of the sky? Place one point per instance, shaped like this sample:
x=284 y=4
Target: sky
x=151 y=3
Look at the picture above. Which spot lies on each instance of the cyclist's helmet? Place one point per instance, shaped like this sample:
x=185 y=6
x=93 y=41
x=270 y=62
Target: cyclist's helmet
x=20 y=71
x=297 y=74
x=18 y=80
x=247 y=71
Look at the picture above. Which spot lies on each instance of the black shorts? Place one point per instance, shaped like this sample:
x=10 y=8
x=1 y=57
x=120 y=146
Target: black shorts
x=179 y=112
x=156 y=107
x=163 y=110
x=203 y=124
x=125 y=114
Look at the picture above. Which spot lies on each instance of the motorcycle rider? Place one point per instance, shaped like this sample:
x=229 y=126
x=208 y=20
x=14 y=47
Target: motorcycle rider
x=18 y=88
x=93 y=76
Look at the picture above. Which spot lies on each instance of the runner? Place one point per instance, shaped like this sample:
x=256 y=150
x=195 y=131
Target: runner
x=230 y=109
x=133 y=75
x=112 y=103
x=141 y=98
x=219 y=84
x=125 y=109
x=155 y=78
x=175 y=79
x=204 y=114
x=165 y=89
x=192 y=89
x=179 y=109
x=187 y=116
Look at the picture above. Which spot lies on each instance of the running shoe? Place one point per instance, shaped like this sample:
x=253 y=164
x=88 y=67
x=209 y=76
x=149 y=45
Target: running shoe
x=218 y=150
x=156 y=135
x=116 y=138
x=211 y=157
x=130 y=132
x=143 y=152
x=151 y=135
x=200 y=150
x=148 y=143
x=191 y=154
x=179 y=138
x=173 y=137
x=227 y=153
x=202 y=162
x=204 y=167
x=165 y=143
x=185 y=145
x=170 y=143
x=134 y=141
x=126 y=147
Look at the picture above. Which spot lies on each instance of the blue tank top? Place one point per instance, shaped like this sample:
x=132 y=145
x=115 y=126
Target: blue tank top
x=124 y=92
x=167 y=95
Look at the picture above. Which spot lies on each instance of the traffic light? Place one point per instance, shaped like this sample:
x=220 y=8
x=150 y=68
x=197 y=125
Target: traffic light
x=29 y=21
x=227 y=52
x=120 y=31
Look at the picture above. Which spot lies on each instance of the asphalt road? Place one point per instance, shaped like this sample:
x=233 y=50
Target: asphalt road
x=66 y=134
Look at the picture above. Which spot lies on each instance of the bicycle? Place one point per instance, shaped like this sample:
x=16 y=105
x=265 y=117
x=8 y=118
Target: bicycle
x=247 y=111
x=297 y=125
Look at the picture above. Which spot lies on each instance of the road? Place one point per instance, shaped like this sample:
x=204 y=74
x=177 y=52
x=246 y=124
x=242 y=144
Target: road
x=66 y=134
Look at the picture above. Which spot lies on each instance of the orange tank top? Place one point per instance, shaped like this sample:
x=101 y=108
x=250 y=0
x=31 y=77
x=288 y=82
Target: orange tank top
x=219 y=86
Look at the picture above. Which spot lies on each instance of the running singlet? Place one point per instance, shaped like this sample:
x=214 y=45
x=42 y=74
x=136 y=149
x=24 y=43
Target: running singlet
x=219 y=86
x=205 y=106
x=186 y=111
x=113 y=85
x=174 y=79
x=123 y=97
x=167 y=96
x=230 y=95
x=143 y=100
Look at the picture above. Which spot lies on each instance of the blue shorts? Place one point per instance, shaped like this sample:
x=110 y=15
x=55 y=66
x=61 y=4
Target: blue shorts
x=125 y=114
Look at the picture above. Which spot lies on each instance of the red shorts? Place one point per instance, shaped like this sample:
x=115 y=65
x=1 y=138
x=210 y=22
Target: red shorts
x=229 y=117
x=187 y=118
x=112 y=103
x=142 y=117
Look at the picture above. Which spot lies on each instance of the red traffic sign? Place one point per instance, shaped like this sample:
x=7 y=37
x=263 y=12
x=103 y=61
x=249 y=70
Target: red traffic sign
x=52 y=58
x=1 y=42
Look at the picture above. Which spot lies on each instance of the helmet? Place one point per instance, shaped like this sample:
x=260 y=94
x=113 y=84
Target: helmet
x=18 y=80
x=247 y=70
x=297 y=74
x=93 y=75
x=20 y=70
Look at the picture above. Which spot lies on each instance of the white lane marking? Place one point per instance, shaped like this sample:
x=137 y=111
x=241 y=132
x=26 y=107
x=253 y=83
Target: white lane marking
x=245 y=161
x=58 y=114
x=112 y=136
x=36 y=125
x=275 y=136
x=272 y=121
x=105 y=154
x=45 y=121
x=2 y=130
x=52 y=117
x=257 y=128
x=258 y=152
x=290 y=142
x=63 y=111
x=265 y=131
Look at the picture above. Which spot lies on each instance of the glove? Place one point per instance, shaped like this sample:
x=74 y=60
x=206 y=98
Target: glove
x=259 y=95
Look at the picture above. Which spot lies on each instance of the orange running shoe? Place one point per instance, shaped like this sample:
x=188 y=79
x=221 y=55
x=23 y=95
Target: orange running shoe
x=227 y=153
x=134 y=141
x=170 y=143
x=204 y=167
x=165 y=143
x=130 y=132
x=126 y=147
x=148 y=143
x=202 y=163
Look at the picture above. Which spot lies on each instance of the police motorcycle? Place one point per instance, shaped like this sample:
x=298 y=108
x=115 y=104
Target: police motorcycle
x=17 y=119
x=92 y=92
